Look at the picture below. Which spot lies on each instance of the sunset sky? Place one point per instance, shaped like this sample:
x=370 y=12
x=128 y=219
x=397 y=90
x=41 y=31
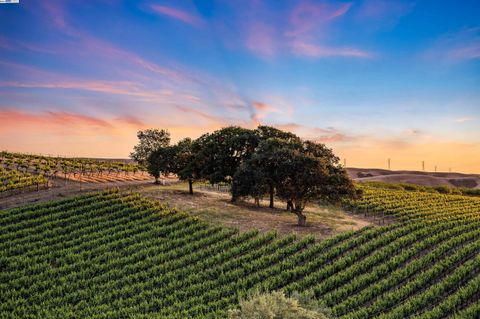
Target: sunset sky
x=371 y=79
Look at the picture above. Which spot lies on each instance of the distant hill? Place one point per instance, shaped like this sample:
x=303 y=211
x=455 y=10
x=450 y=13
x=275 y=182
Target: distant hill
x=415 y=177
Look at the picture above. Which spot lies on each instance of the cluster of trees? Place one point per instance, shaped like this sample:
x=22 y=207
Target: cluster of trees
x=256 y=163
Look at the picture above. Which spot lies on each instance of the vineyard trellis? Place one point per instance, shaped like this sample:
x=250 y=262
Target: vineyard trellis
x=68 y=168
x=113 y=253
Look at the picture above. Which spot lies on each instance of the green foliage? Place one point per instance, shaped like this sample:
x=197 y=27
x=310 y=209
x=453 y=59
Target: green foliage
x=267 y=132
x=26 y=172
x=470 y=191
x=249 y=181
x=161 y=161
x=299 y=171
x=264 y=171
x=112 y=254
x=223 y=151
x=183 y=154
x=149 y=141
x=441 y=189
x=273 y=305
x=11 y=180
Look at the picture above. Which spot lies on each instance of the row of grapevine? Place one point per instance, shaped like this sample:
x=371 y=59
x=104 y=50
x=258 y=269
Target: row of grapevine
x=13 y=180
x=80 y=169
x=109 y=254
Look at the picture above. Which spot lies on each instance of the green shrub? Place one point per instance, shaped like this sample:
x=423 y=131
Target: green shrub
x=470 y=191
x=275 y=305
x=411 y=187
x=442 y=189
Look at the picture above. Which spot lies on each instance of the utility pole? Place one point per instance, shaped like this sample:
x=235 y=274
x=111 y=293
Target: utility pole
x=389 y=162
x=423 y=166
x=435 y=168
x=344 y=162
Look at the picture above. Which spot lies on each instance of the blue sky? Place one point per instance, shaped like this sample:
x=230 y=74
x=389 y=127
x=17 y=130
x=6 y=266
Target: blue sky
x=372 y=79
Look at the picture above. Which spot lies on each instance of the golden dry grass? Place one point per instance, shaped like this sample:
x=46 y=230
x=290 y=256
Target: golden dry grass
x=215 y=207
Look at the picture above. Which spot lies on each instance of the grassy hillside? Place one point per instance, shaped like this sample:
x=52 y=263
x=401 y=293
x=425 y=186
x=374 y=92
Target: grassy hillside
x=111 y=255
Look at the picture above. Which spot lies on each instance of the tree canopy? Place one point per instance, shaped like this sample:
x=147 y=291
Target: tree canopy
x=184 y=153
x=149 y=141
x=161 y=161
x=222 y=152
x=255 y=162
x=300 y=171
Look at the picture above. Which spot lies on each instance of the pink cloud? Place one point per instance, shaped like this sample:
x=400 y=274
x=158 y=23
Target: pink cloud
x=318 y=51
x=318 y=134
x=56 y=13
x=11 y=119
x=108 y=50
x=307 y=15
x=177 y=14
x=261 y=110
x=108 y=87
x=261 y=39
x=466 y=52
x=299 y=31
x=383 y=12
x=209 y=117
x=15 y=45
x=93 y=45
x=130 y=120
x=457 y=46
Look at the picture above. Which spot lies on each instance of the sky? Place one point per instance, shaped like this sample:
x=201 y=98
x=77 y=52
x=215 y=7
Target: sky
x=372 y=79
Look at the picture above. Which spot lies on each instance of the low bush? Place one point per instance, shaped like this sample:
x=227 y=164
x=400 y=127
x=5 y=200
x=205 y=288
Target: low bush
x=276 y=305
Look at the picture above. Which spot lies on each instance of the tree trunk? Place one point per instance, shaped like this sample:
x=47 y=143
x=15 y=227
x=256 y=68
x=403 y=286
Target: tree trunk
x=289 y=206
x=157 y=179
x=257 y=201
x=302 y=219
x=190 y=186
x=271 y=196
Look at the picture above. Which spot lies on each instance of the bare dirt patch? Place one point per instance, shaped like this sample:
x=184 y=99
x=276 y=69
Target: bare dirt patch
x=215 y=207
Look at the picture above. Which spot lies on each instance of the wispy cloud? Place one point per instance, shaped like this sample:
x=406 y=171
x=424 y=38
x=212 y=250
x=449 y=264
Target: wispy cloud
x=159 y=86
x=203 y=115
x=322 y=135
x=178 y=14
x=261 y=110
x=307 y=15
x=464 y=119
x=302 y=30
x=457 y=46
x=261 y=39
x=317 y=51
x=109 y=87
x=383 y=14
x=11 y=118
x=56 y=13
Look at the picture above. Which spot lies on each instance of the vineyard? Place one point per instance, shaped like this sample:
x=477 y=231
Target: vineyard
x=21 y=171
x=112 y=255
x=11 y=180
